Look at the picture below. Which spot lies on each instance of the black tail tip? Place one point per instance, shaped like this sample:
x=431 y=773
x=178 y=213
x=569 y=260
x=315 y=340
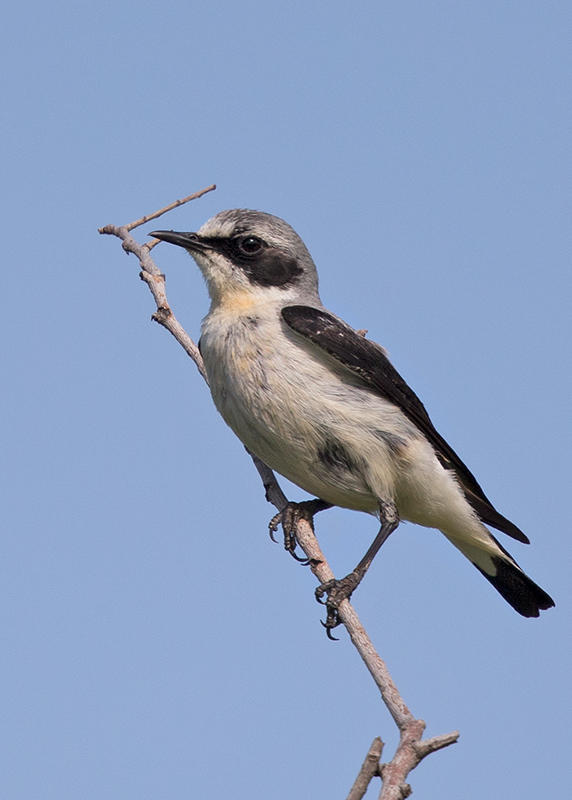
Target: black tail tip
x=520 y=591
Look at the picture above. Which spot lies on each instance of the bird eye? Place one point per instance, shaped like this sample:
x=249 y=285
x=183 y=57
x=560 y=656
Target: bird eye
x=250 y=245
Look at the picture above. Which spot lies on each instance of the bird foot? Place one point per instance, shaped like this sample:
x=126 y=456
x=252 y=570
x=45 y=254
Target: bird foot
x=289 y=517
x=335 y=590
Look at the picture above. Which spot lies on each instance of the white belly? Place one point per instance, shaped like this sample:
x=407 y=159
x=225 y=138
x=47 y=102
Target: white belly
x=314 y=422
x=305 y=418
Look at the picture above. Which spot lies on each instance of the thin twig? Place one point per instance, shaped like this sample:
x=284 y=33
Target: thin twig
x=412 y=748
x=155 y=279
x=155 y=214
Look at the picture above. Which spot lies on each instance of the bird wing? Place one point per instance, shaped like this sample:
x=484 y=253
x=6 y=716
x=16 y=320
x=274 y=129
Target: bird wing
x=368 y=361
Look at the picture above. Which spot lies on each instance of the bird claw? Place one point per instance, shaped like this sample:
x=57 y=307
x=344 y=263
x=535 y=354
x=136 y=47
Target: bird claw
x=289 y=517
x=336 y=590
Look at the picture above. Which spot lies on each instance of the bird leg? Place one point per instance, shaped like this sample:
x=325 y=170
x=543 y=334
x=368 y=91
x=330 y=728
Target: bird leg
x=337 y=590
x=289 y=517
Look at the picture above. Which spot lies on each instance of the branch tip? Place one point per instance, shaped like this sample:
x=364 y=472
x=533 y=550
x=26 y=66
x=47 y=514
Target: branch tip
x=427 y=746
x=369 y=769
x=170 y=207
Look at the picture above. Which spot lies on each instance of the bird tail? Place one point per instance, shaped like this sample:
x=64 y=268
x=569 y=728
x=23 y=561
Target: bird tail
x=500 y=569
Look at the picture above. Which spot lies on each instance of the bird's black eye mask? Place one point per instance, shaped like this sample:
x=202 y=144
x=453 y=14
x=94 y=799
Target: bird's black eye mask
x=262 y=263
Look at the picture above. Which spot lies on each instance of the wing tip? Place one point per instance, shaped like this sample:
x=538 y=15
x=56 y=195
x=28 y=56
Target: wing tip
x=488 y=514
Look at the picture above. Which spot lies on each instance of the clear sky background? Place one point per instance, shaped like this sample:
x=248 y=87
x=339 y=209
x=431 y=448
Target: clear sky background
x=155 y=643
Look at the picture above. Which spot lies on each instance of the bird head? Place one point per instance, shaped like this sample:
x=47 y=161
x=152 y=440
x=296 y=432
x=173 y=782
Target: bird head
x=243 y=251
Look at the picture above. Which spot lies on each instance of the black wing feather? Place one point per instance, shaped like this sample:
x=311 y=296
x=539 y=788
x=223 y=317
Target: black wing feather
x=368 y=360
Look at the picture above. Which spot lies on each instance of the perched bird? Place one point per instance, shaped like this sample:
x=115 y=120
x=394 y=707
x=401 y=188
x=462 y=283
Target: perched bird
x=323 y=406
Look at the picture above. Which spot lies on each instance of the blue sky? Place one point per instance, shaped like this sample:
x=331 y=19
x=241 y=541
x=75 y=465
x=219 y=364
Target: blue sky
x=155 y=644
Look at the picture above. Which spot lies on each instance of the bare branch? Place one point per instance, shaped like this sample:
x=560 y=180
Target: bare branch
x=369 y=769
x=155 y=214
x=274 y=493
x=155 y=279
x=435 y=743
x=411 y=748
x=363 y=644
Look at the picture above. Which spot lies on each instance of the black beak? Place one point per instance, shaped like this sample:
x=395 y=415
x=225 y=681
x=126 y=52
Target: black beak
x=190 y=241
